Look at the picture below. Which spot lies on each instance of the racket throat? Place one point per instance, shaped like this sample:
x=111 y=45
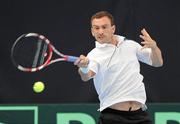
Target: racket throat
x=66 y=57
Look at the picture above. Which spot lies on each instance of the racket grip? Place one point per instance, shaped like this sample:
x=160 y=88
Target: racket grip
x=72 y=58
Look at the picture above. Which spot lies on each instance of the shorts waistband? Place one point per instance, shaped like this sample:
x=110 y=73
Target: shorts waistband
x=110 y=110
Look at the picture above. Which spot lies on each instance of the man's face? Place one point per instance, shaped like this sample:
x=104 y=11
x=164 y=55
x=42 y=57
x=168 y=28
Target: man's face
x=102 y=30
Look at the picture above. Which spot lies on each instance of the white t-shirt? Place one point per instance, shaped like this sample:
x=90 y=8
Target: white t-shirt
x=117 y=69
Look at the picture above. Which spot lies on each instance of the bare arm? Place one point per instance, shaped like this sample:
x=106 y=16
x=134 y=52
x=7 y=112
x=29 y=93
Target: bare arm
x=148 y=42
x=84 y=76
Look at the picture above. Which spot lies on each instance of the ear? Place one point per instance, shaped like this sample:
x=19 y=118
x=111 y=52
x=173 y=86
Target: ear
x=113 y=29
x=92 y=32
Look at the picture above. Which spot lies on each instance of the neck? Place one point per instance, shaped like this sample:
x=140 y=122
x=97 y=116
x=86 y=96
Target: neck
x=114 y=40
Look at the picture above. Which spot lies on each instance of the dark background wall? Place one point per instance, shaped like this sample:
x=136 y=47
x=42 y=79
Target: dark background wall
x=67 y=24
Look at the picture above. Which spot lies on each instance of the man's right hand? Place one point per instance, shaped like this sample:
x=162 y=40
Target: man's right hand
x=82 y=61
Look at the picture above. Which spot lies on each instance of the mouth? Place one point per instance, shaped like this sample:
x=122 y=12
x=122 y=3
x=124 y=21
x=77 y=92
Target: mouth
x=100 y=37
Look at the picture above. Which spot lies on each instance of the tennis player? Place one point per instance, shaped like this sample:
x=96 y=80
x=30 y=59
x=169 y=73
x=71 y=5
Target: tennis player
x=114 y=66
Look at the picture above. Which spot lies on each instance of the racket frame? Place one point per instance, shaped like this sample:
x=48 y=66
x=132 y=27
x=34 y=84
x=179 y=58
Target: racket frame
x=50 y=54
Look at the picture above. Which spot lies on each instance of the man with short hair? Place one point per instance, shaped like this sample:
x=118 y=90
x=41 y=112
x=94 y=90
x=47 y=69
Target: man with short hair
x=114 y=66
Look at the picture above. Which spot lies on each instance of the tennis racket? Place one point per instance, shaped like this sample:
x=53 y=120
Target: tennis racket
x=32 y=52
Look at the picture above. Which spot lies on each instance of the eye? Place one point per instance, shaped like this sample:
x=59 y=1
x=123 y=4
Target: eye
x=104 y=27
x=96 y=28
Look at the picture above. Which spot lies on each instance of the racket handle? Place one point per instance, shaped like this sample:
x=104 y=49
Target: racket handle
x=72 y=58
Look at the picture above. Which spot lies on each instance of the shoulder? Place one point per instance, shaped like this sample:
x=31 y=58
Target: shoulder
x=93 y=53
x=131 y=43
x=126 y=40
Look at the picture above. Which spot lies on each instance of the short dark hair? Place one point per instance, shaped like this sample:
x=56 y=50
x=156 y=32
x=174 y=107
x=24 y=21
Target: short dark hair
x=103 y=14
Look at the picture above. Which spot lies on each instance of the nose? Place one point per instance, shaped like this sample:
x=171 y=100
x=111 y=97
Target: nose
x=101 y=31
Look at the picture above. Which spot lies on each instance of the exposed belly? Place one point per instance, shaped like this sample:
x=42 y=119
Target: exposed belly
x=127 y=106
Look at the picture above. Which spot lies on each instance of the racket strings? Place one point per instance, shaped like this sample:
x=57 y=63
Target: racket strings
x=23 y=53
x=37 y=53
x=30 y=52
x=44 y=54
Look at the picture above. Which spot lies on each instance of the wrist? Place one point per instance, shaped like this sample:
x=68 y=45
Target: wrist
x=154 y=48
x=84 y=70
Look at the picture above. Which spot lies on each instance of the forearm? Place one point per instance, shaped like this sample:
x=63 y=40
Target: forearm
x=84 y=76
x=156 y=57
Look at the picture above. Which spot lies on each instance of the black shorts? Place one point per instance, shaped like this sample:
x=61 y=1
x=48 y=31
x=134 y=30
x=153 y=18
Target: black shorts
x=111 y=116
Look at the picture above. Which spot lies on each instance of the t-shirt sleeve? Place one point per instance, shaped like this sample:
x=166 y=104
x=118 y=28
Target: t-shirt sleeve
x=144 y=55
x=93 y=63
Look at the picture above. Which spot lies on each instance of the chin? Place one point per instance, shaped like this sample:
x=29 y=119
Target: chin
x=99 y=41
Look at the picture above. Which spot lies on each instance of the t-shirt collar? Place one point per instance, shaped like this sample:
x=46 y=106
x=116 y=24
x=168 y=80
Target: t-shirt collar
x=120 y=39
